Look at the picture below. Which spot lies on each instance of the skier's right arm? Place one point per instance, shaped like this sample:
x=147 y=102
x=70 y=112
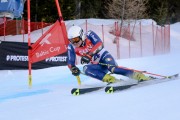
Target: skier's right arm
x=71 y=61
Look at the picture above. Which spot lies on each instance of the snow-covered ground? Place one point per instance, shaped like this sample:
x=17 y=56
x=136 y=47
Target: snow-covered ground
x=50 y=98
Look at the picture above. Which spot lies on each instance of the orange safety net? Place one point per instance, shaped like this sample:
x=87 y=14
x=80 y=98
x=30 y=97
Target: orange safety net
x=16 y=27
x=131 y=40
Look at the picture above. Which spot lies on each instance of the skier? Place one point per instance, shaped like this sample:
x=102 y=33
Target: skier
x=90 y=47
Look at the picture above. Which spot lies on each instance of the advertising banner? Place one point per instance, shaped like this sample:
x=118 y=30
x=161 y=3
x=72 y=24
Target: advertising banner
x=14 y=55
x=50 y=44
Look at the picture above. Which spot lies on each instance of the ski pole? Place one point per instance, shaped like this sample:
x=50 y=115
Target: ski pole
x=78 y=80
x=132 y=69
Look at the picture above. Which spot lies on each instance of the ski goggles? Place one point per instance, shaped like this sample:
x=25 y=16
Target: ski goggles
x=75 y=40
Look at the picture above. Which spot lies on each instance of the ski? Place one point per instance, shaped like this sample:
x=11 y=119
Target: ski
x=166 y=77
x=111 y=89
x=173 y=76
x=153 y=80
x=80 y=91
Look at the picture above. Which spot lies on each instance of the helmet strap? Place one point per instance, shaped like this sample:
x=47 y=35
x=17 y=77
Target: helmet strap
x=82 y=44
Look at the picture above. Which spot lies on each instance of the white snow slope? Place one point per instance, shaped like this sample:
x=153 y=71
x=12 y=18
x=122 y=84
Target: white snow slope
x=50 y=98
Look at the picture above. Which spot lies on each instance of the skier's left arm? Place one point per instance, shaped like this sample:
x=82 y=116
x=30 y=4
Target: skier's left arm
x=98 y=46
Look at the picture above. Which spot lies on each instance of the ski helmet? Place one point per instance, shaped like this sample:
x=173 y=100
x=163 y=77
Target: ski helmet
x=75 y=34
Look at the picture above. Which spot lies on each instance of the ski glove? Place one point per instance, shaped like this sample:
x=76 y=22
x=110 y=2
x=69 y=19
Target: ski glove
x=85 y=59
x=75 y=71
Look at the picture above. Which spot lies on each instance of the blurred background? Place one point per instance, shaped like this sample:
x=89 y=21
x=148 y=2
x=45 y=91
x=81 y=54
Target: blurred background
x=162 y=11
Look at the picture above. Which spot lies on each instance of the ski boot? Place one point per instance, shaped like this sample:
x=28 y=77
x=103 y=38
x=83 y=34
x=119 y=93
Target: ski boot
x=139 y=76
x=109 y=79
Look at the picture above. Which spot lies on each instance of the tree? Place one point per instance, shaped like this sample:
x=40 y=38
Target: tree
x=158 y=10
x=103 y=10
x=161 y=11
x=68 y=8
x=42 y=10
x=127 y=9
x=90 y=8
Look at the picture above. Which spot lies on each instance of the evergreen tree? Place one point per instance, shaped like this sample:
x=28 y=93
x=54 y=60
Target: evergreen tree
x=162 y=11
